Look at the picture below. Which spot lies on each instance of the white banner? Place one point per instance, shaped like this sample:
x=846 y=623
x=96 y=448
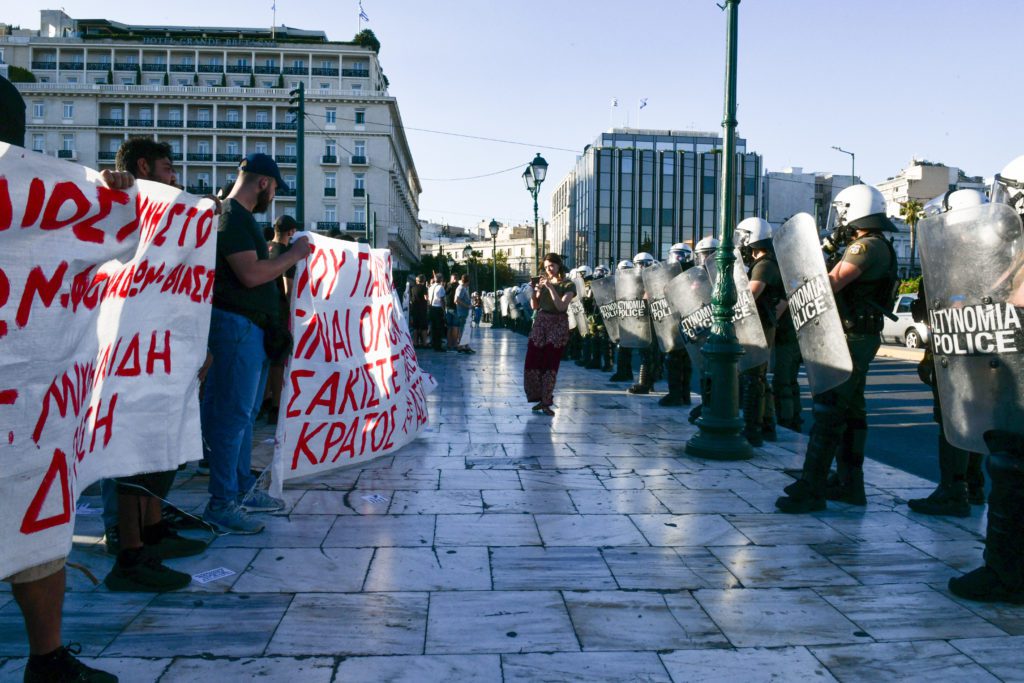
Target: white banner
x=104 y=314
x=353 y=390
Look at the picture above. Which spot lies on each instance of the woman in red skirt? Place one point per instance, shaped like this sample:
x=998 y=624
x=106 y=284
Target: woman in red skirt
x=549 y=335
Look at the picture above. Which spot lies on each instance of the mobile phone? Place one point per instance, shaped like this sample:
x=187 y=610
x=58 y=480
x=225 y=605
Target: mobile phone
x=534 y=281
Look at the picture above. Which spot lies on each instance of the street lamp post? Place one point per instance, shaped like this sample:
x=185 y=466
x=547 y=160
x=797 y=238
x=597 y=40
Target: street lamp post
x=492 y=227
x=719 y=437
x=853 y=163
x=533 y=176
x=467 y=254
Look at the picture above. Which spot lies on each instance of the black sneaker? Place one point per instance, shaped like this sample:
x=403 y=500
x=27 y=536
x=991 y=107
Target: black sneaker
x=61 y=666
x=112 y=540
x=172 y=545
x=147 y=575
x=177 y=519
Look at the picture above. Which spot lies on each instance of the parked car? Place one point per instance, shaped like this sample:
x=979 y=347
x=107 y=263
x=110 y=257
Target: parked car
x=904 y=330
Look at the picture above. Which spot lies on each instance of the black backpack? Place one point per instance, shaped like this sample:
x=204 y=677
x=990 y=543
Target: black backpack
x=449 y=294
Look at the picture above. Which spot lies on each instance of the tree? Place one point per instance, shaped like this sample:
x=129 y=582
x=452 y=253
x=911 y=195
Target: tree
x=110 y=76
x=224 y=80
x=912 y=211
x=367 y=38
x=138 y=75
x=16 y=74
x=280 y=80
x=167 y=78
x=252 y=80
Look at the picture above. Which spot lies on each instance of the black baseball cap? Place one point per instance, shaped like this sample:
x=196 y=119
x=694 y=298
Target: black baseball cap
x=263 y=164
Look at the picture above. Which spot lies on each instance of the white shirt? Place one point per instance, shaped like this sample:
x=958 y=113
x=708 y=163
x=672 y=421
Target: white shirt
x=436 y=295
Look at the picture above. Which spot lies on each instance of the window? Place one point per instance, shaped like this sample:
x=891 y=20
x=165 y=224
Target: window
x=357 y=86
x=184 y=82
x=117 y=114
x=262 y=117
x=331 y=116
x=131 y=59
x=114 y=145
x=232 y=116
x=269 y=84
x=261 y=148
x=904 y=306
x=38 y=110
x=37 y=142
x=330 y=149
x=289 y=149
x=232 y=148
x=330 y=213
x=325 y=86
x=360 y=118
x=290 y=180
x=68 y=142
x=146 y=114
x=203 y=147
x=359 y=181
x=242 y=61
x=359 y=214
x=203 y=179
x=270 y=63
x=174 y=115
x=238 y=83
x=203 y=114
x=175 y=146
x=359 y=148
x=298 y=64
x=154 y=81
x=330 y=180
x=127 y=81
x=326 y=64
x=211 y=83
x=72 y=79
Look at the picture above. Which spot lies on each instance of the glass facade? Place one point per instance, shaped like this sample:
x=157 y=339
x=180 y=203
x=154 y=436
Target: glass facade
x=647 y=190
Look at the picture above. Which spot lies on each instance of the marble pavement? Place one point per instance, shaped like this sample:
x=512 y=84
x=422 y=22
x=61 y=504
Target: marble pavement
x=506 y=546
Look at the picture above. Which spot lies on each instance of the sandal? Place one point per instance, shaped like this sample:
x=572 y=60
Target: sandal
x=537 y=407
x=547 y=411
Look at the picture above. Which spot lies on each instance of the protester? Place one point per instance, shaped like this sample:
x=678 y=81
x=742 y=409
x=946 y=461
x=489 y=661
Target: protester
x=450 y=310
x=436 y=298
x=419 y=307
x=463 y=304
x=549 y=335
x=284 y=227
x=245 y=329
x=478 y=309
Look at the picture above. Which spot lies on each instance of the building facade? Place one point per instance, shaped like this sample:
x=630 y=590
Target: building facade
x=792 y=191
x=647 y=189
x=514 y=243
x=216 y=94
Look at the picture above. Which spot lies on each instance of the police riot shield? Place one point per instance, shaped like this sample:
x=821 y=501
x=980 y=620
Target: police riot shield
x=664 y=318
x=523 y=297
x=747 y=323
x=488 y=303
x=508 y=303
x=812 y=305
x=578 y=316
x=603 y=289
x=973 y=263
x=690 y=296
x=634 y=316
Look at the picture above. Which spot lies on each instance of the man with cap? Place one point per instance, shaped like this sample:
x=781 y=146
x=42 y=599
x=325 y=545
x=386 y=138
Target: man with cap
x=245 y=327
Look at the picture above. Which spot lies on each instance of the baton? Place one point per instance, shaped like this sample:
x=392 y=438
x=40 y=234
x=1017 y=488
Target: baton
x=888 y=314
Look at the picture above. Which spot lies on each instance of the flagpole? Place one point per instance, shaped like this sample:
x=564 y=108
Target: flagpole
x=273 y=24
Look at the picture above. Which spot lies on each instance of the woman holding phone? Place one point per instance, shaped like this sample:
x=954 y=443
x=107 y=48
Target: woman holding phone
x=552 y=294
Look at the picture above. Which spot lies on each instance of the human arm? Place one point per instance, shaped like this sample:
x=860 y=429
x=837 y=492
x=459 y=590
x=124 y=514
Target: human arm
x=252 y=271
x=843 y=274
x=117 y=180
x=560 y=301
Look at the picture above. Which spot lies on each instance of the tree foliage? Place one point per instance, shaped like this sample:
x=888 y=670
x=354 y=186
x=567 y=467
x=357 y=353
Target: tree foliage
x=367 y=38
x=16 y=74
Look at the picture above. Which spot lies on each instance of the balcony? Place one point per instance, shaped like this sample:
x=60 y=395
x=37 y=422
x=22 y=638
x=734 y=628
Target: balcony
x=200 y=124
x=358 y=160
x=358 y=192
x=170 y=123
x=158 y=67
x=229 y=158
x=325 y=71
x=328 y=159
x=229 y=124
x=125 y=66
x=239 y=69
x=98 y=66
x=211 y=69
x=266 y=70
x=176 y=156
x=199 y=156
x=289 y=159
x=72 y=66
x=68 y=154
x=355 y=73
x=262 y=225
x=111 y=122
x=44 y=65
x=140 y=123
x=107 y=155
x=281 y=192
x=328 y=226
x=330 y=192
x=287 y=125
x=355 y=227
x=257 y=125
x=198 y=189
x=183 y=68
x=295 y=71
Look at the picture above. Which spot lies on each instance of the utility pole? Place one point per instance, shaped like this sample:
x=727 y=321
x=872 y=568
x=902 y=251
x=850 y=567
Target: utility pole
x=719 y=437
x=297 y=105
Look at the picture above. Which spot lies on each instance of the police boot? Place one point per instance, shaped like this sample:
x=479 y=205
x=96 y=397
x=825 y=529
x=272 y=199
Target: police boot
x=807 y=494
x=585 y=352
x=848 y=484
x=768 y=420
x=674 y=397
x=705 y=396
x=645 y=380
x=624 y=366
x=975 y=479
x=606 y=355
x=950 y=496
x=753 y=402
x=1002 y=577
x=599 y=352
x=685 y=376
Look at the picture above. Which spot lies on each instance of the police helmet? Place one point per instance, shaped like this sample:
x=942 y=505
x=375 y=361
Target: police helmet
x=601 y=271
x=624 y=265
x=681 y=252
x=755 y=233
x=861 y=207
x=643 y=259
x=706 y=245
x=953 y=200
x=584 y=272
x=1008 y=185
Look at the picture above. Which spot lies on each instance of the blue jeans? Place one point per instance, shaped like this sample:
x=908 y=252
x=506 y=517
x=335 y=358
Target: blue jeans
x=231 y=400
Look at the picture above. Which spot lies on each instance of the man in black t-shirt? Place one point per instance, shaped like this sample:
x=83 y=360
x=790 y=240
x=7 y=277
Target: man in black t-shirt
x=284 y=227
x=246 y=306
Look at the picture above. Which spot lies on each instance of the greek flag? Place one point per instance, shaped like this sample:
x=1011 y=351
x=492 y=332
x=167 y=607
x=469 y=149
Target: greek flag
x=615 y=101
x=362 y=12
x=643 y=102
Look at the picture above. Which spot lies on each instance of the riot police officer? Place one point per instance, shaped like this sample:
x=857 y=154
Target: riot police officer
x=766 y=288
x=864 y=283
x=677 y=363
x=624 y=359
x=705 y=250
x=600 y=358
x=649 y=357
x=702 y=253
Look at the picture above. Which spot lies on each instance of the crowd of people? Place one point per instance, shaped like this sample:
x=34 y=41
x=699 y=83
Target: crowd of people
x=441 y=315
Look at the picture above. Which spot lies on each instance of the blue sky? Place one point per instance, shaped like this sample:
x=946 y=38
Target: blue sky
x=887 y=79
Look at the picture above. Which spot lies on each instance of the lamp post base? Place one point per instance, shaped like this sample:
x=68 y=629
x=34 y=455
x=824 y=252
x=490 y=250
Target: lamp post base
x=719 y=440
